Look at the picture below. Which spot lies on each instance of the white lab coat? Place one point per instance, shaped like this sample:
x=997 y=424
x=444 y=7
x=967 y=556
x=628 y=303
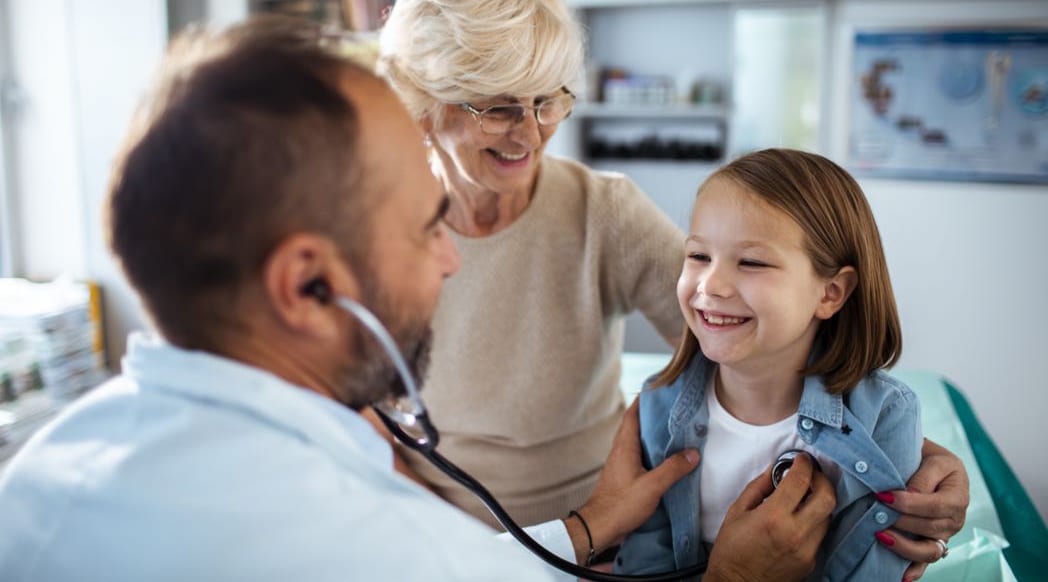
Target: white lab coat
x=195 y=467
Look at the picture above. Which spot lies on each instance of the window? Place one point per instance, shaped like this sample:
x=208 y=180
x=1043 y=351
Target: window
x=6 y=99
x=6 y=210
x=779 y=53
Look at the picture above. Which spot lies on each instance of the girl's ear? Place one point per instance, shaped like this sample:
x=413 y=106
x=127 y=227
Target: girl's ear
x=836 y=291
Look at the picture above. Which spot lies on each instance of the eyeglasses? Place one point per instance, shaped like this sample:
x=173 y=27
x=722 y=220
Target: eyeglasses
x=499 y=119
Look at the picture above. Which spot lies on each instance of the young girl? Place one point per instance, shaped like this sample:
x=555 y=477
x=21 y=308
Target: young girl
x=786 y=293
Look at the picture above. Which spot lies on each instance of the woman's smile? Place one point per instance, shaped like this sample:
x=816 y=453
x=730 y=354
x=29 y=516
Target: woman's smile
x=510 y=160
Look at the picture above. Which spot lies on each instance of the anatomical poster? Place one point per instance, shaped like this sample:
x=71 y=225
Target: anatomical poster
x=950 y=105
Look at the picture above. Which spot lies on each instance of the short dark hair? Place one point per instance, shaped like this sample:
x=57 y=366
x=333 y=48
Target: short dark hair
x=839 y=231
x=247 y=137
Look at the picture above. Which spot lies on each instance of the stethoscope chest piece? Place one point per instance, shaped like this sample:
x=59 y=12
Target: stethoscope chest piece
x=785 y=462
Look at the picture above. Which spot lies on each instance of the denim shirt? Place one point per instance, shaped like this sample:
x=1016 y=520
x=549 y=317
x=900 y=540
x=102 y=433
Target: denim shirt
x=872 y=433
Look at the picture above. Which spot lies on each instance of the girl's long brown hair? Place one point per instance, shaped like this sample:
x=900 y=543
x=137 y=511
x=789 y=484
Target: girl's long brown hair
x=840 y=231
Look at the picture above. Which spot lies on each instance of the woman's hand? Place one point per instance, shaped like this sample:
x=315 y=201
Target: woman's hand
x=627 y=493
x=933 y=505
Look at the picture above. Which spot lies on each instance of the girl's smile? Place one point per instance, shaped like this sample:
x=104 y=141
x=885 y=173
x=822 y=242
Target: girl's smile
x=748 y=289
x=719 y=321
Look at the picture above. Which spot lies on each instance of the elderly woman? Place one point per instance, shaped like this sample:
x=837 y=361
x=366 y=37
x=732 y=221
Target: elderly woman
x=528 y=335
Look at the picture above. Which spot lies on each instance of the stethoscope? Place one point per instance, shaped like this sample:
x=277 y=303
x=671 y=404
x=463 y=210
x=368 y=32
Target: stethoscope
x=408 y=413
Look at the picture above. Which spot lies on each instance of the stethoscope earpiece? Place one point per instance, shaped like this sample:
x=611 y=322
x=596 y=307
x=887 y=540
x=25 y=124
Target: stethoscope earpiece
x=319 y=289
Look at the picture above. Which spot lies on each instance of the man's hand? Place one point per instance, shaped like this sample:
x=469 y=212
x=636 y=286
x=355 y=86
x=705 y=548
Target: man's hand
x=933 y=506
x=774 y=534
x=627 y=494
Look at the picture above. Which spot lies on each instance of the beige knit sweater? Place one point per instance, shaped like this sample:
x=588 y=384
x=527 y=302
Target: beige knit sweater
x=525 y=368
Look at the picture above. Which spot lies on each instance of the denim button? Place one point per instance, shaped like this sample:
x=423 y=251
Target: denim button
x=686 y=541
x=880 y=517
x=807 y=424
x=861 y=467
x=701 y=430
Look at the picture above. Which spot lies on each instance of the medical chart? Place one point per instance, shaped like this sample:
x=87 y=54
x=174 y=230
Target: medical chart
x=950 y=105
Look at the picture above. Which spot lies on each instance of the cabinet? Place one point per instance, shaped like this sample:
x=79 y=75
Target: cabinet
x=657 y=83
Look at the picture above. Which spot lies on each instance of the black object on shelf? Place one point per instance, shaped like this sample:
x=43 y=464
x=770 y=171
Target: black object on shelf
x=654 y=148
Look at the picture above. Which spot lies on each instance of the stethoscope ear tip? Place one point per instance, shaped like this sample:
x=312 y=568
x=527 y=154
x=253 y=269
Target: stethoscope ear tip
x=317 y=288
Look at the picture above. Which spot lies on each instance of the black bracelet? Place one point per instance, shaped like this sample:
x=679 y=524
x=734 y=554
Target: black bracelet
x=589 y=537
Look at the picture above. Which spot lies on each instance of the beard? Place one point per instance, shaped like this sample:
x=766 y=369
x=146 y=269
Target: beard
x=372 y=377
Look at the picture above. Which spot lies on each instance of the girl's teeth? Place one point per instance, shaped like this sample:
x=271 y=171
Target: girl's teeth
x=722 y=320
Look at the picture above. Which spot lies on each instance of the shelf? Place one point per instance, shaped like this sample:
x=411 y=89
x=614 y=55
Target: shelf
x=633 y=163
x=631 y=3
x=605 y=110
x=585 y=4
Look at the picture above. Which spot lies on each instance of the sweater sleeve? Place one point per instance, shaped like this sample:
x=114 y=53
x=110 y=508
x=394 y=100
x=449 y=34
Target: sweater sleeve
x=648 y=251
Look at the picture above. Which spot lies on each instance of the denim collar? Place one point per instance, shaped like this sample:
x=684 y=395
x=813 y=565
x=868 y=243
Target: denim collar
x=819 y=405
x=816 y=403
x=692 y=382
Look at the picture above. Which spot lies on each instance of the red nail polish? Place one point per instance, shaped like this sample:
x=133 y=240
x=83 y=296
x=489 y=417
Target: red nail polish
x=886 y=497
x=884 y=538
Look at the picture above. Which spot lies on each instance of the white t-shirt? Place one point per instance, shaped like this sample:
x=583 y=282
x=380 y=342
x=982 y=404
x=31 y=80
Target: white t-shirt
x=735 y=452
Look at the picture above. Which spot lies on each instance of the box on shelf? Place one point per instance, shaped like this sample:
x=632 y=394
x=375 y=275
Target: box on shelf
x=617 y=139
x=644 y=90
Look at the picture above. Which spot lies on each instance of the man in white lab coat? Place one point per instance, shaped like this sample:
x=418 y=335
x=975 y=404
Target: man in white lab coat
x=231 y=447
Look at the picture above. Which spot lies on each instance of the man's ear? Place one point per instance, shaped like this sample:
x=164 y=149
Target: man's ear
x=836 y=291
x=298 y=261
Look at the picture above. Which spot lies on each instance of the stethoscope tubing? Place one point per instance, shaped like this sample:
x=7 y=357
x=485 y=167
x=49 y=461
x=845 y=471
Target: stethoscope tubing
x=427 y=446
x=476 y=488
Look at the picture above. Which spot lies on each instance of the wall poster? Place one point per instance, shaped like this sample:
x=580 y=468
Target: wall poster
x=950 y=105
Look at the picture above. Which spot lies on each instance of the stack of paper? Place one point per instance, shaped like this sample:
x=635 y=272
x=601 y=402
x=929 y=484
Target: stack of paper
x=49 y=351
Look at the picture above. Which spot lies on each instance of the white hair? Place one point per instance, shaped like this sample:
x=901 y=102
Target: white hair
x=434 y=52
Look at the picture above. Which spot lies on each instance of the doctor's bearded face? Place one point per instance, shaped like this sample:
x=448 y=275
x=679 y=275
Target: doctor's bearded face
x=373 y=376
x=411 y=252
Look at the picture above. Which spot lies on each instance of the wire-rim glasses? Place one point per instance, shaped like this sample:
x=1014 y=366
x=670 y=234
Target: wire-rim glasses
x=499 y=119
